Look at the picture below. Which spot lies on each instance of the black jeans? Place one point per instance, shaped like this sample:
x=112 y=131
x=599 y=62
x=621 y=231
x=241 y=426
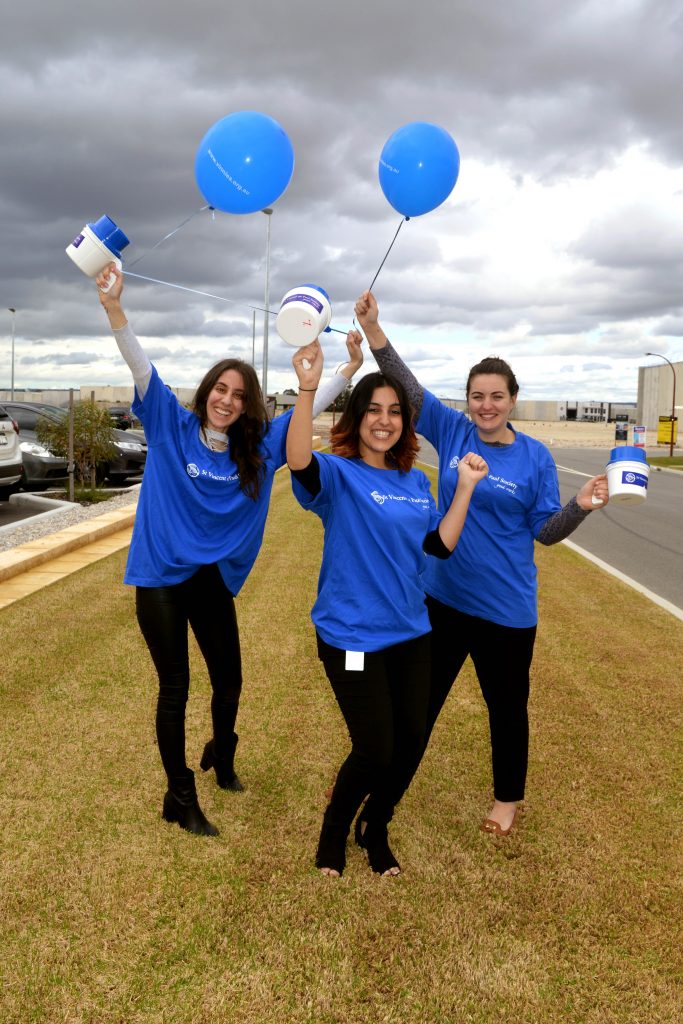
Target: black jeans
x=502 y=659
x=164 y=613
x=385 y=709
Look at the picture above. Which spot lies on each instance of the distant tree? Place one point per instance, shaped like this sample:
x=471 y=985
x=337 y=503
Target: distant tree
x=289 y=391
x=93 y=438
x=340 y=401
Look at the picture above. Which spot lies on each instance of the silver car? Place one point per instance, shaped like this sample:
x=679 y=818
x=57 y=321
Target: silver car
x=10 y=455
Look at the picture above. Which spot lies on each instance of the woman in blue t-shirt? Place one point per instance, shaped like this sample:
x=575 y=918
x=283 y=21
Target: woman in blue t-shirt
x=198 y=529
x=482 y=601
x=370 y=617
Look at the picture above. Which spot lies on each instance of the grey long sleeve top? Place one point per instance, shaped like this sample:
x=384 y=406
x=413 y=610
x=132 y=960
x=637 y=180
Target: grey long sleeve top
x=557 y=526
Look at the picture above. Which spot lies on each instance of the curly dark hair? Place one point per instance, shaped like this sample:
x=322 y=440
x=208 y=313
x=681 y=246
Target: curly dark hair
x=345 y=435
x=246 y=433
x=493 y=364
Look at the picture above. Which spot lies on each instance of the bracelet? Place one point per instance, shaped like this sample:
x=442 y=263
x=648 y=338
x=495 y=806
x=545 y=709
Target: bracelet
x=308 y=389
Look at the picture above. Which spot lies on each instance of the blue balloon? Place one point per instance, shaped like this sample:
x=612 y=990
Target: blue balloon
x=418 y=168
x=244 y=162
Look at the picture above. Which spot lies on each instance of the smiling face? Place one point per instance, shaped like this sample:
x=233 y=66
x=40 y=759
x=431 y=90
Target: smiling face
x=225 y=403
x=490 y=404
x=381 y=426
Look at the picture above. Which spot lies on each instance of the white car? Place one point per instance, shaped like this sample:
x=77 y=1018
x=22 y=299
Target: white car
x=10 y=454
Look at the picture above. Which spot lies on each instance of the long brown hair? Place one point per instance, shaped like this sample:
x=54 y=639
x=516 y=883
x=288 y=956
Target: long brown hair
x=345 y=435
x=246 y=433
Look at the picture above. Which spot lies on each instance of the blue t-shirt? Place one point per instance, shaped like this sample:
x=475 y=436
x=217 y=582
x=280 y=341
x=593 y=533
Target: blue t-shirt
x=491 y=574
x=370 y=591
x=192 y=511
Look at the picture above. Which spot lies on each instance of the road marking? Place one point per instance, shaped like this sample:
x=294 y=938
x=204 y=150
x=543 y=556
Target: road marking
x=576 y=472
x=649 y=594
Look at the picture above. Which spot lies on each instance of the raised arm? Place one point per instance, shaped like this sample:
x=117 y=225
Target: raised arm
x=330 y=389
x=308 y=364
x=129 y=346
x=387 y=357
x=471 y=469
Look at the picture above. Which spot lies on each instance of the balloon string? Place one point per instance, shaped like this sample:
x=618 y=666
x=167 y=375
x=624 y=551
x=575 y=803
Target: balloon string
x=385 y=258
x=387 y=252
x=170 y=235
x=210 y=295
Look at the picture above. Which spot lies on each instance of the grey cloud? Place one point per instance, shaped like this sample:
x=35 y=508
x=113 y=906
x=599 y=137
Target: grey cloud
x=670 y=325
x=107 y=118
x=61 y=359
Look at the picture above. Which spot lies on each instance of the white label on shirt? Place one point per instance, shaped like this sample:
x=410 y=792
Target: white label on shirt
x=354 y=661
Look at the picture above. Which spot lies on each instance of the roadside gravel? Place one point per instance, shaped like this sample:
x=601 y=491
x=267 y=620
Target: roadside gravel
x=41 y=525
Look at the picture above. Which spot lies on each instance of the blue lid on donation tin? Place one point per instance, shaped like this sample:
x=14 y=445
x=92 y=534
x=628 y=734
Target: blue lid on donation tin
x=628 y=453
x=110 y=235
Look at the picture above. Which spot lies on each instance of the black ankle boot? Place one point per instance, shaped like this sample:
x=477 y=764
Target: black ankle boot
x=375 y=840
x=331 y=851
x=223 y=766
x=181 y=806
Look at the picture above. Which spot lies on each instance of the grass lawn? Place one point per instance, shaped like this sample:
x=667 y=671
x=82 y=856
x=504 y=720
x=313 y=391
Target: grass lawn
x=111 y=916
x=670 y=461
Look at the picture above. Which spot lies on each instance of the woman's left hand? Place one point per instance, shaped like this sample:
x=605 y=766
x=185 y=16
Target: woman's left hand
x=308 y=363
x=593 y=494
x=354 y=340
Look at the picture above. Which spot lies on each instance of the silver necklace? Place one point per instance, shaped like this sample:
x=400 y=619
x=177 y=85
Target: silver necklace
x=216 y=440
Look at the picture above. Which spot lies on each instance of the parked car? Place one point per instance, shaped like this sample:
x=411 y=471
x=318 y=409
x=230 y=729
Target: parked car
x=10 y=454
x=43 y=469
x=121 y=416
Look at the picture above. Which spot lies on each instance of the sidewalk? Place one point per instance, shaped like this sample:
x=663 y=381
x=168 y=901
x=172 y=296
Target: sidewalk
x=32 y=566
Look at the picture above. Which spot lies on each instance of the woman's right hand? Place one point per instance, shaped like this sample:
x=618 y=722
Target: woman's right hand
x=113 y=295
x=308 y=364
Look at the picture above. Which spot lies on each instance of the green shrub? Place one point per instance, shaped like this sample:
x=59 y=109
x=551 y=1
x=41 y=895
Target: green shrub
x=93 y=438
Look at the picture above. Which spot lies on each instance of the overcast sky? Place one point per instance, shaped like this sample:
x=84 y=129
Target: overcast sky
x=560 y=248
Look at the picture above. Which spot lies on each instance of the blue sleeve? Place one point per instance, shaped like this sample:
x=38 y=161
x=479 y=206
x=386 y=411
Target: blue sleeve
x=275 y=440
x=435 y=516
x=547 y=500
x=158 y=409
x=436 y=418
x=325 y=495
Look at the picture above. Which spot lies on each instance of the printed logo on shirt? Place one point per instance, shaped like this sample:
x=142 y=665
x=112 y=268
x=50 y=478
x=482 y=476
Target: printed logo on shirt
x=501 y=484
x=381 y=498
x=453 y=464
x=194 y=471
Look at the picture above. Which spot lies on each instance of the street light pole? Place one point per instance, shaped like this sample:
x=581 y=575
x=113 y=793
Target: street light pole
x=266 y=303
x=14 y=318
x=673 y=400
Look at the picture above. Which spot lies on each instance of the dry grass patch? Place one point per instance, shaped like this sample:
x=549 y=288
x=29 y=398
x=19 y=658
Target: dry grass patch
x=111 y=916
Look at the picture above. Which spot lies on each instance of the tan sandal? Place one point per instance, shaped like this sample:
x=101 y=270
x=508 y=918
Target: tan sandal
x=494 y=829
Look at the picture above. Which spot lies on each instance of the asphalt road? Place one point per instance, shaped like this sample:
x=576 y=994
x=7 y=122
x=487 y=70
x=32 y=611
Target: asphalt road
x=10 y=513
x=645 y=542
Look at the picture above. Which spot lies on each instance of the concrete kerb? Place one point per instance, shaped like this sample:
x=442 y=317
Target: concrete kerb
x=34 y=553
x=45 y=507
